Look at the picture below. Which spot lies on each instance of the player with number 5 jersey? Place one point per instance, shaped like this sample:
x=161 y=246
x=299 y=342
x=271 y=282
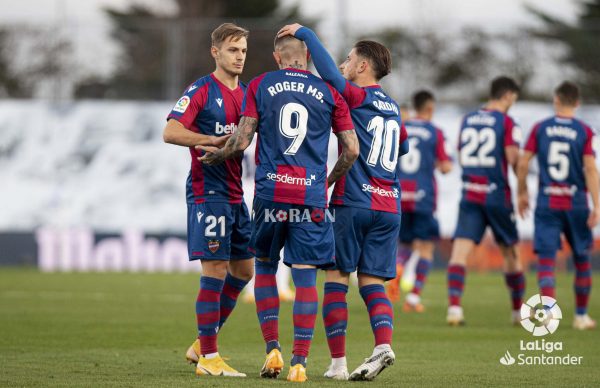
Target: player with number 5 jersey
x=567 y=172
x=366 y=201
x=293 y=112
x=488 y=146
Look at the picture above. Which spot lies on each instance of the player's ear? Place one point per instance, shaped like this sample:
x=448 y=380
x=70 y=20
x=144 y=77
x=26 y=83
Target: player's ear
x=214 y=51
x=277 y=57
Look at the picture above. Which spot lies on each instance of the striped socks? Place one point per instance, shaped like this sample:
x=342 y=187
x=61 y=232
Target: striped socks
x=231 y=290
x=545 y=275
x=335 y=317
x=305 y=312
x=456 y=282
x=516 y=284
x=583 y=283
x=421 y=272
x=207 y=313
x=380 y=312
x=267 y=302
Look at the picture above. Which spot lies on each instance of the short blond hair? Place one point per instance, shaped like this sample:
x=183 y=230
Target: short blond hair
x=228 y=31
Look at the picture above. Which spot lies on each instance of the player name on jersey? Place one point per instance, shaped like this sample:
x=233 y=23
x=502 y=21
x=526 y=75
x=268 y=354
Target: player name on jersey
x=292 y=86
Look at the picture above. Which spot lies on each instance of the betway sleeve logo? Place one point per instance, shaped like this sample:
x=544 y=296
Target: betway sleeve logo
x=367 y=188
x=221 y=129
x=291 y=180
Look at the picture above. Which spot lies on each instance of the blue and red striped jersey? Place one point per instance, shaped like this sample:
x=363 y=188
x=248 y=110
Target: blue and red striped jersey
x=373 y=181
x=296 y=112
x=417 y=167
x=560 y=144
x=211 y=108
x=484 y=135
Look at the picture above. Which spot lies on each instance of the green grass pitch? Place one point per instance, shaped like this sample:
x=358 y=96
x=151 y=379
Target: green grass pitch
x=133 y=329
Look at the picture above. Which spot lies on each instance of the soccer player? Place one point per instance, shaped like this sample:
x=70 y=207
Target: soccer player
x=488 y=145
x=293 y=112
x=366 y=202
x=419 y=227
x=567 y=172
x=218 y=220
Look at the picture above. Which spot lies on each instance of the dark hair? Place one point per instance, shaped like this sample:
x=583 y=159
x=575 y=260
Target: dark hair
x=226 y=31
x=502 y=85
x=377 y=54
x=421 y=98
x=567 y=93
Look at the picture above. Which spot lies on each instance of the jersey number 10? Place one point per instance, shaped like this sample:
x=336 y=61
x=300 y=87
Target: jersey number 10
x=386 y=135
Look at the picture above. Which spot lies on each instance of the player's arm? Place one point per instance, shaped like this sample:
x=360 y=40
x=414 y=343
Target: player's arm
x=522 y=190
x=442 y=161
x=323 y=62
x=593 y=185
x=236 y=144
x=350 y=151
x=176 y=133
x=512 y=156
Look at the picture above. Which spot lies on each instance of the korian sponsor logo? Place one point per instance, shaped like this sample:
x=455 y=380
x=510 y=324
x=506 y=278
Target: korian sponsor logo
x=299 y=215
x=291 y=180
x=221 y=129
x=367 y=188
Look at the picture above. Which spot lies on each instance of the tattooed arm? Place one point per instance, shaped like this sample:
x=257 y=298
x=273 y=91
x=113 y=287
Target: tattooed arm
x=350 y=151
x=238 y=142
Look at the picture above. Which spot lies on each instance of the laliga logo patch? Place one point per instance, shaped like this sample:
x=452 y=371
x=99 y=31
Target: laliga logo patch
x=540 y=315
x=213 y=245
x=182 y=104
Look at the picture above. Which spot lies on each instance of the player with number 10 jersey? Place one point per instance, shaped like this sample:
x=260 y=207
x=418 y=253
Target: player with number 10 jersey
x=366 y=201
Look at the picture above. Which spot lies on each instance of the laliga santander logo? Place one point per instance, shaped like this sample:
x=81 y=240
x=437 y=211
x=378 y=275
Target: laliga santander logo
x=540 y=315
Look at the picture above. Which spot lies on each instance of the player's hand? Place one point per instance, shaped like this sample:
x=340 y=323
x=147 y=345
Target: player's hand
x=523 y=204
x=594 y=218
x=219 y=141
x=212 y=155
x=289 y=29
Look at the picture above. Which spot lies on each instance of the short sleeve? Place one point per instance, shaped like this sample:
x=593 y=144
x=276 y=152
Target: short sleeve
x=354 y=95
x=249 y=108
x=531 y=144
x=513 y=135
x=403 y=140
x=440 y=147
x=189 y=105
x=340 y=119
x=589 y=148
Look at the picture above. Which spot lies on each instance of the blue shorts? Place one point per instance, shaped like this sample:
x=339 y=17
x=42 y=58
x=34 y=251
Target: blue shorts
x=418 y=226
x=474 y=218
x=366 y=241
x=218 y=231
x=304 y=231
x=549 y=224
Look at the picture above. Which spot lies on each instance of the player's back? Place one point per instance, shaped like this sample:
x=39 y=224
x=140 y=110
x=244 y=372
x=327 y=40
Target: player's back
x=484 y=135
x=417 y=167
x=296 y=113
x=372 y=182
x=561 y=144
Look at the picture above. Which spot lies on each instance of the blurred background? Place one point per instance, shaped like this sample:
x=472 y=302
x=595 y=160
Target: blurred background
x=86 y=183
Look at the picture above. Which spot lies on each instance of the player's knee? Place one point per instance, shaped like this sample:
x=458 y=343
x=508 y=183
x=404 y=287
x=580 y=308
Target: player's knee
x=215 y=268
x=243 y=271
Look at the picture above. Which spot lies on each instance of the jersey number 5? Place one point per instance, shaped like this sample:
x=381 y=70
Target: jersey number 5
x=558 y=160
x=293 y=121
x=387 y=136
